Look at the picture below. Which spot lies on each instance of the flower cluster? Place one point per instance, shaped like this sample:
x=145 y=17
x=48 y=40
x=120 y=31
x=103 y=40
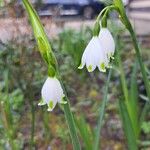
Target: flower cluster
x=52 y=93
x=99 y=51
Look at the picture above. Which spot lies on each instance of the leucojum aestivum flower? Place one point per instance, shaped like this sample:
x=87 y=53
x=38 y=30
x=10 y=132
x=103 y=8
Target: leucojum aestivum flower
x=99 y=51
x=52 y=93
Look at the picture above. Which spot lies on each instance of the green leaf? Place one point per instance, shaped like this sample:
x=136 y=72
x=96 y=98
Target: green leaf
x=132 y=103
x=127 y=125
x=85 y=132
x=101 y=114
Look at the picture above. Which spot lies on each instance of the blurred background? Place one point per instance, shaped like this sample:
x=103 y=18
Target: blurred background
x=68 y=24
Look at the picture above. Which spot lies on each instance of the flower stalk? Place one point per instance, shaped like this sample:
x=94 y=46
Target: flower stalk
x=126 y=22
x=52 y=82
x=102 y=113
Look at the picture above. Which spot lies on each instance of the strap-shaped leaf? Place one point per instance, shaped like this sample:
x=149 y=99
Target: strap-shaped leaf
x=127 y=125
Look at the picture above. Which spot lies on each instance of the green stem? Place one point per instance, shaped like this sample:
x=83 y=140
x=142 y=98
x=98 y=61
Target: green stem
x=125 y=107
x=125 y=91
x=46 y=125
x=145 y=78
x=7 y=117
x=126 y=22
x=108 y=8
x=32 y=132
x=8 y=127
x=122 y=76
x=70 y=121
x=101 y=114
x=71 y=125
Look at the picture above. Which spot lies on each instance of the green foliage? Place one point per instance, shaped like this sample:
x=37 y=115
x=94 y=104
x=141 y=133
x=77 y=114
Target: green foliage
x=73 y=43
x=146 y=127
x=63 y=133
x=49 y=57
x=16 y=58
x=9 y=103
x=26 y=75
x=1 y=3
x=101 y=114
x=23 y=84
x=130 y=95
x=15 y=99
x=132 y=104
x=127 y=124
x=85 y=132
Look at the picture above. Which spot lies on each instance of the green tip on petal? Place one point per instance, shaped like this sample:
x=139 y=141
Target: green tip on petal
x=102 y=67
x=111 y=56
x=63 y=101
x=41 y=103
x=50 y=106
x=89 y=68
x=80 y=67
x=63 y=96
x=109 y=66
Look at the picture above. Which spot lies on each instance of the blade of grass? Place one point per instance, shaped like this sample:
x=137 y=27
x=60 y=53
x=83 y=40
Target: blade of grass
x=46 y=126
x=133 y=103
x=7 y=117
x=101 y=114
x=144 y=74
x=127 y=125
x=32 y=120
x=126 y=105
x=85 y=132
x=131 y=97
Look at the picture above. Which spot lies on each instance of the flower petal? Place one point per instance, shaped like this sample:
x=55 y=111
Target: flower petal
x=41 y=103
x=107 y=41
x=102 y=67
x=51 y=92
x=51 y=105
x=94 y=55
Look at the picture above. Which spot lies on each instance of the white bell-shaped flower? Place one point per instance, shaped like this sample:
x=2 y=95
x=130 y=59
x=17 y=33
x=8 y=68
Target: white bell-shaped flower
x=107 y=42
x=52 y=93
x=94 y=56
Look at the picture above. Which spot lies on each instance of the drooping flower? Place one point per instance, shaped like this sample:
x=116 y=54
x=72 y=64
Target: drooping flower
x=52 y=93
x=94 y=56
x=107 y=42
